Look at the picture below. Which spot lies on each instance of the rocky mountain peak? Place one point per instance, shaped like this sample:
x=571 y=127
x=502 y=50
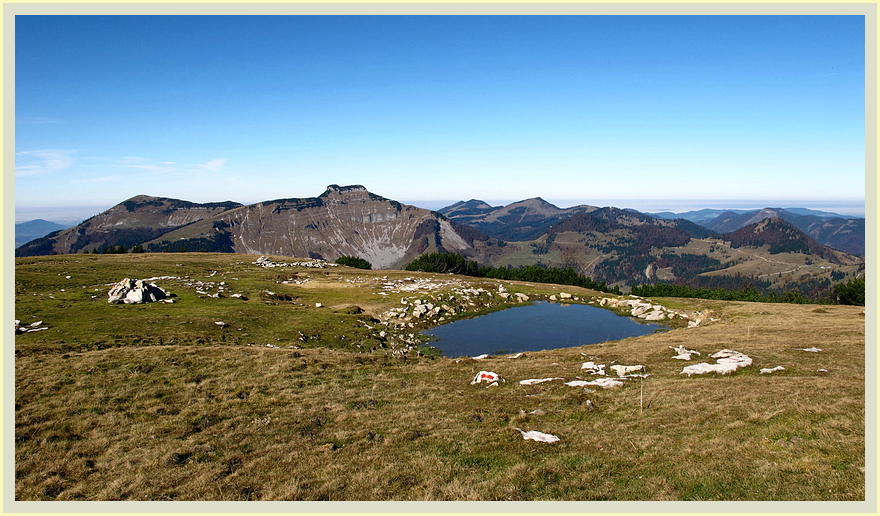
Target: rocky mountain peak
x=537 y=204
x=335 y=194
x=344 y=189
x=142 y=198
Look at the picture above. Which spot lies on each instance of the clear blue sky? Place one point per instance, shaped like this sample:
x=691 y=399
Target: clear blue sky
x=251 y=108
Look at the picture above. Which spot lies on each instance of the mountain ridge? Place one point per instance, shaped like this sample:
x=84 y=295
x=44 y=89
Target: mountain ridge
x=616 y=246
x=844 y=234
x=518 y=221
x=129 y=223
x=707 y=214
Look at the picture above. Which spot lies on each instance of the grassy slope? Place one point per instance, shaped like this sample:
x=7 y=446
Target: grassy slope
x=126 y=402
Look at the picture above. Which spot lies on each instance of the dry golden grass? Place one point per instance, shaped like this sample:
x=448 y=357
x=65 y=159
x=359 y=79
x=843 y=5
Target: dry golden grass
x=229 y=421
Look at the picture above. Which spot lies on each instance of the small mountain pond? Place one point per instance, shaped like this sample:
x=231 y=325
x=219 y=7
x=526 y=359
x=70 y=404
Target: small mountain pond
x=535 y=327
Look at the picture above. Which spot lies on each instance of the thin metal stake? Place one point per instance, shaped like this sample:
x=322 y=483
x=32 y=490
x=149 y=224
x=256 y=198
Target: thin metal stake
x=641 y=392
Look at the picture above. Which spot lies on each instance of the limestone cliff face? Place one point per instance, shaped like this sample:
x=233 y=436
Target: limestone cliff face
x=342 y=221
x=129 y=223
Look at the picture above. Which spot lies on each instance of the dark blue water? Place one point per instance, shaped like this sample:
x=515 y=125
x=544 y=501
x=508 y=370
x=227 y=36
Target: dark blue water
x=535 y=327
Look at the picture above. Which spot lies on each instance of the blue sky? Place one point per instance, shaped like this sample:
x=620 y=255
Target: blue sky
x=586 y=108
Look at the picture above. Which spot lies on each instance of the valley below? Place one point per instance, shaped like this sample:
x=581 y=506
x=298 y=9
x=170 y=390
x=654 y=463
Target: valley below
x=280 y=378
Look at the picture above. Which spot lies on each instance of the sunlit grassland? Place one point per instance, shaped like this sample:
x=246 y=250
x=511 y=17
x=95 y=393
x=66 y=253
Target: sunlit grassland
x=157 y=402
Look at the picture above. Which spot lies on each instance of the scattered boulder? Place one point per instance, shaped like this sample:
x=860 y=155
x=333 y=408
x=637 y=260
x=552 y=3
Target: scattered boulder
x=683 y=353
x=623 y=370
x=533 y=381
x=656 y=315
x=605 y=383
x=541 y=437
x=703 y=368
x=727 y=362
x=593 y=368
x=639 y=310
x=486 y=376
x=30 y=328
x=727 y=356
x=129 y=291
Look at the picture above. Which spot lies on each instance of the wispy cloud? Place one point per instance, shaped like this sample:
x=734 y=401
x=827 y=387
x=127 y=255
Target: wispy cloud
x=144 y=164
x=44 y=161
x=165 y=167
x=158 y=169
x=214 y=165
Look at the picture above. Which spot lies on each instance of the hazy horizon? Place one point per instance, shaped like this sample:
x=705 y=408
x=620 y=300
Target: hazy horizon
x=73 y=215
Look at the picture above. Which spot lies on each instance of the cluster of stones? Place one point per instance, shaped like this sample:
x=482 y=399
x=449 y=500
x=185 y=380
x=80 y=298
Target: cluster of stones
x=265 y=262
x=415 y=285
x=440 y=306
x=131 y=291
x=727 y=362
x=406 y=343
x=564 y=296
x=30 y=328
x=646 y=310
x=203 y=287
x=432 y=308
x=623 y=373
x=295 y=281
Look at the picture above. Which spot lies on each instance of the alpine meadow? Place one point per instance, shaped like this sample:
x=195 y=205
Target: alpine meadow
x=232 y=376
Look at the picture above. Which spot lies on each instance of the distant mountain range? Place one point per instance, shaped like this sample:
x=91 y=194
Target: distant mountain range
x=837 y=231
x=709 y=214
x=519 y=221
x=33 y=229
x=769 y=248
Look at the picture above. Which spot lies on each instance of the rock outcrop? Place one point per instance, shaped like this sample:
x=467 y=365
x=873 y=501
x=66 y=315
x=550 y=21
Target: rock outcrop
x=727 y=362
x=129 y=291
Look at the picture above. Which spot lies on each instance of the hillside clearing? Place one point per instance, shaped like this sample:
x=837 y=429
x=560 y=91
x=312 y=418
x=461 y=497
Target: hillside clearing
x=158 y=402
